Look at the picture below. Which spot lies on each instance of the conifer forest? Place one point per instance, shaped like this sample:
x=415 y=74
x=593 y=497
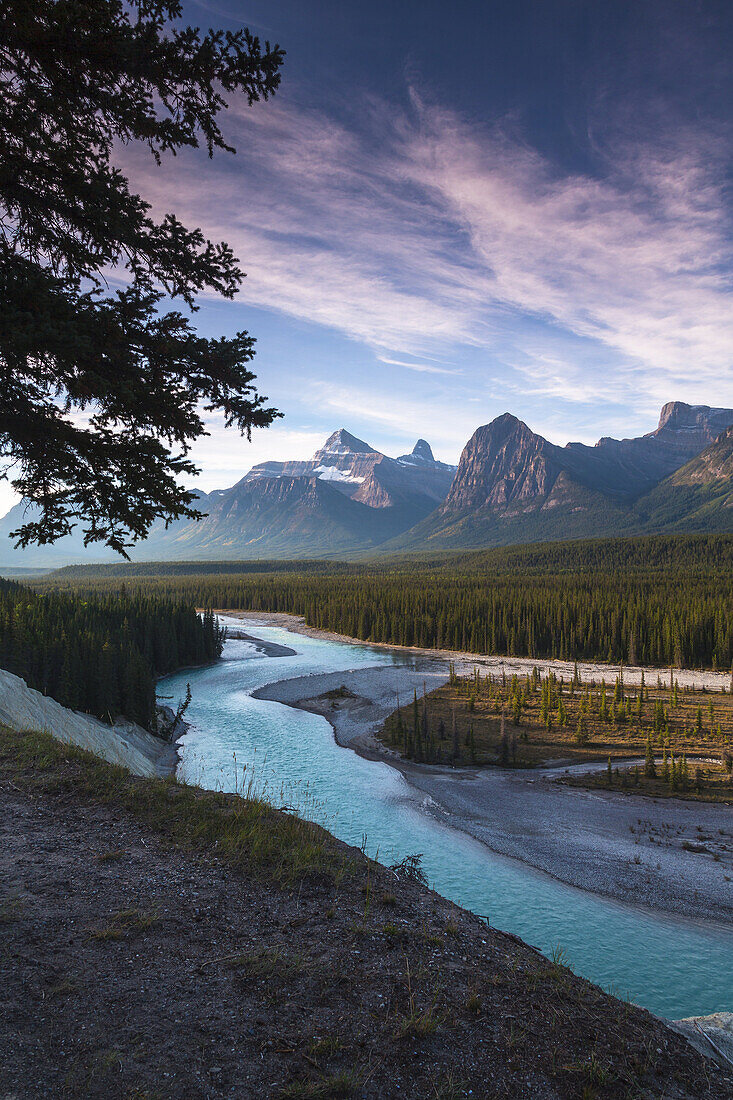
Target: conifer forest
x=102 y=652
x=656 y=601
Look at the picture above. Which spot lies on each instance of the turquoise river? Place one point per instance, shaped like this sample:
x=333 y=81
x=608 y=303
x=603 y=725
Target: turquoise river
x=673 y=967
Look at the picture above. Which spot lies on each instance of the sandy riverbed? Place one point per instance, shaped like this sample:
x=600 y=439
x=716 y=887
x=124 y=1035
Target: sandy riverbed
x=267 y=649
x=619 y=845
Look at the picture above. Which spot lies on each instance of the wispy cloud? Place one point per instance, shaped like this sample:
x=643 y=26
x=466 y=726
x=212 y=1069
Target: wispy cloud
x=419 y=233
x=421 y=368
x=639 y=260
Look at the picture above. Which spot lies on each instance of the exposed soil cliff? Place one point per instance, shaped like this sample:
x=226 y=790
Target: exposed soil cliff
x=125 y=743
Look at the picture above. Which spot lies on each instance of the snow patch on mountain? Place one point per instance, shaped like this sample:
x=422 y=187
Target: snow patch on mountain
x=332 y=473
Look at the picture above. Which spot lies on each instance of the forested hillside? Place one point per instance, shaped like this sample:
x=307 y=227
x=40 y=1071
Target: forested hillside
x=102 y=653
x=656 y=601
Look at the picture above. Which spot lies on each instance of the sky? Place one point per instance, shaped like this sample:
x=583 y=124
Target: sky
x=451 y=211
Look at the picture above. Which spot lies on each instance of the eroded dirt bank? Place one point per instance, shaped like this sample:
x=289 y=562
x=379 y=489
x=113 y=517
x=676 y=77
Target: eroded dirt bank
x=125 y=743
x=132 y=965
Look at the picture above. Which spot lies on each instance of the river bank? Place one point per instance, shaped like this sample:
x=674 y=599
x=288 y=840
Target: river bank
x=301 y=967
x=124 y=743
x=634 y=849
x=267 y=649
x=588 y=671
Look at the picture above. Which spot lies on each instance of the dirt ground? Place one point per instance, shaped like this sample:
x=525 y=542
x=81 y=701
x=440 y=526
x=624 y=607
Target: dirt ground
x=132 y=967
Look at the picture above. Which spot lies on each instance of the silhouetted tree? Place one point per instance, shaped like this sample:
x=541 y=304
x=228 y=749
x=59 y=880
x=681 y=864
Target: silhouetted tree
x=80 y=79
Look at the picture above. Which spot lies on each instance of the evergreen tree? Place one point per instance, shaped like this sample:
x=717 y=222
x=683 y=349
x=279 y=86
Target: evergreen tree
x=601 y=587
x=80 y=82
x=503 y=742
x=581 y=731
x=101 y=654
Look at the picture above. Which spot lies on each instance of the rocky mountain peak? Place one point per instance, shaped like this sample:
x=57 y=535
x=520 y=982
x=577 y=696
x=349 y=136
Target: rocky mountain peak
x=508 y=422
x=422 y=449
x=503 y=461
x=678 y=416
x=420 y=455
x=343 y=442
x=503 y=434
x=673 y=412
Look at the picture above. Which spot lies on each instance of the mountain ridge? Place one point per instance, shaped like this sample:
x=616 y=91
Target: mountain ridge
x=511 y=486
x=348 y=497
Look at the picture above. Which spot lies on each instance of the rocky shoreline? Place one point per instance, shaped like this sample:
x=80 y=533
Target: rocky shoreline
x=267 y=649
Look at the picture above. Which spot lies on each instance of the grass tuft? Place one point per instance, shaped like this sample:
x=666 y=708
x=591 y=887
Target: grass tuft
x=247 y=832
x=124 y=922
x=330 y=1088
x=11 y=909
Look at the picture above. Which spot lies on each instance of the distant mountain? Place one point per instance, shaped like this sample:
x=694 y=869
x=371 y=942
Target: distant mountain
x=513 y=485
x=346 y=498
x=697 y=497
x=68 y=549
x=277 y=517
x=630 y=467
x=366 y=475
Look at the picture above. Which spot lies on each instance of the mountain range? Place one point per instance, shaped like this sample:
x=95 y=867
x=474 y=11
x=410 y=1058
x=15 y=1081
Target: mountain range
x=347 y=498
x=511 y=485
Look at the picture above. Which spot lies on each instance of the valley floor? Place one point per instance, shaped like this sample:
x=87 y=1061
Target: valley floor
x=668 y=854
x=264 y=959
